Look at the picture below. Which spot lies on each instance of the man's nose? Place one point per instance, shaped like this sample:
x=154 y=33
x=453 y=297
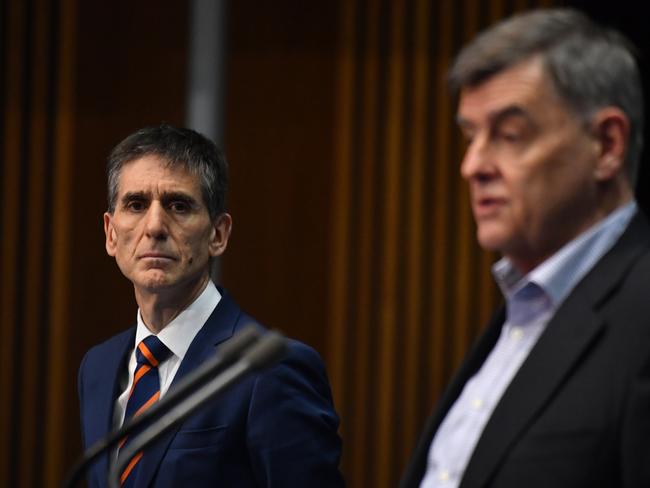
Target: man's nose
x=478 y=163
x=156 y=225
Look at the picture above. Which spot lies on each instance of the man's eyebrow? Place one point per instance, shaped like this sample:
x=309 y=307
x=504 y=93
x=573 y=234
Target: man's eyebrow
x=135 y=195
x=177 y=195
x=515 y=111
x=498 y=116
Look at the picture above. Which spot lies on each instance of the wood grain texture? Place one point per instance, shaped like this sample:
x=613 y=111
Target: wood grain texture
x=352 y=230
x=62 y=109
x=409 y=270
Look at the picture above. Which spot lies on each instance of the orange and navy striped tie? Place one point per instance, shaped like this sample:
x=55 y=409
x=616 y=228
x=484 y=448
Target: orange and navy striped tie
x=144 y=393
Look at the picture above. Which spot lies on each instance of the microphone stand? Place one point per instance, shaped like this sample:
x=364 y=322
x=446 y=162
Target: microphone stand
x=267 y=351
x=226 y=355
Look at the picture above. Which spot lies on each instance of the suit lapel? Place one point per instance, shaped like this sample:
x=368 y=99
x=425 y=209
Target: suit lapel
x=105 y=390
x=533 y=385
x=575 y=327
x=220 y=326
x=473 y=361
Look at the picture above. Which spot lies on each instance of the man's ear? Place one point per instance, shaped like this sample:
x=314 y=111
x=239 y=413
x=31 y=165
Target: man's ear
x=221 y=228
x=611 y=128
x=111 y=236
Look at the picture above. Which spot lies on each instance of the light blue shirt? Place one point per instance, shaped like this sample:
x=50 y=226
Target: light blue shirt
x=531 y=302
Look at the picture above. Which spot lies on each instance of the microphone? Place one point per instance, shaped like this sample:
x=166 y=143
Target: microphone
x=271 y=348
x=225 y=355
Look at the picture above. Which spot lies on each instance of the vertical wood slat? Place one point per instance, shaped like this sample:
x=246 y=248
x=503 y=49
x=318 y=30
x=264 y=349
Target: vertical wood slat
x=12 y=121
x=415 y=217
x=31 y=394
x=338 y=339
x=58 y=366
x=440 y=219
x=392 y=234
x=362 y=316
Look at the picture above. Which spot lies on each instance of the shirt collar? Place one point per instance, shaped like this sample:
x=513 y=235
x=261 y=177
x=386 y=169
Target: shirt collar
x=563 y=270
x=180 y=332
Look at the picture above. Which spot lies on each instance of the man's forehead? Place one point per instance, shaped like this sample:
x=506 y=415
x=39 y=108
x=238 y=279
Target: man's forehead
x=523 y=84
x=152 y=173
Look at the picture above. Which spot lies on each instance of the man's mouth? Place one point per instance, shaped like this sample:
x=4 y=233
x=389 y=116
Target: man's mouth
x=487 y=206
x=157 y=256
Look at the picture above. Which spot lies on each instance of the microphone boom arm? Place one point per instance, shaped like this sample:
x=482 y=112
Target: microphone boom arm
x=267 y=351
x=226 y=355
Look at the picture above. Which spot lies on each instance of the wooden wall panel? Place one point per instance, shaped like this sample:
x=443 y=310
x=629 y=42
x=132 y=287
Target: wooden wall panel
x=57 y=405
x=352 y=227
x=75 y=77
x=12 y=30
x=409 y=288
x=30 y=80
x=281 y=67
x=414 y=249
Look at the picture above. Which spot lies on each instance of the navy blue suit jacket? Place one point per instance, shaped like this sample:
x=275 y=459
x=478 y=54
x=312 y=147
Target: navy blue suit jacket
x=275 y=429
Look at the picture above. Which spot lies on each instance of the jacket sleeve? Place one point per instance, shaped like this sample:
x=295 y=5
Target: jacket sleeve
x=635 y=442
x=292 y=426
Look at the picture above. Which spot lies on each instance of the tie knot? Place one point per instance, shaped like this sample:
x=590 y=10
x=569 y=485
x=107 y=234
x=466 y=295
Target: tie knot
x=151 y=351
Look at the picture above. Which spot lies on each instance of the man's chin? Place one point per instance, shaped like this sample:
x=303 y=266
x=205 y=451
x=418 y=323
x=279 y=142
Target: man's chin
x=491 y=239
x=160 y=282
x=155 y=282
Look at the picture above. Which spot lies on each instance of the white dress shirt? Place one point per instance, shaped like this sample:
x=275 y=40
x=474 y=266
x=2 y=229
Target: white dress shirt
x=531 y=301
x=177 y=336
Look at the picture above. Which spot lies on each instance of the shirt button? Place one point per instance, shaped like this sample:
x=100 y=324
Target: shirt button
x=516 y=333
x=477 y=403
x=444 y=475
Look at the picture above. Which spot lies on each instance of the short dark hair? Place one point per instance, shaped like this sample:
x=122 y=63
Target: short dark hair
x=176 y=146
x=590 y=66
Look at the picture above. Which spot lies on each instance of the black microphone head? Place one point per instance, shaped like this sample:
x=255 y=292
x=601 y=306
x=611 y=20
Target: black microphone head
x=271 y=348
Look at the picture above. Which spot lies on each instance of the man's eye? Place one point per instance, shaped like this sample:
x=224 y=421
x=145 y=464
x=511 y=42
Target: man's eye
x=135 y=206
x=509 y=136
x=179 y=207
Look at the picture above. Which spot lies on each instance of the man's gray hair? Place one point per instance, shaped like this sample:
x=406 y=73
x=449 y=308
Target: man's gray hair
x=175 y=146
x=590 y=66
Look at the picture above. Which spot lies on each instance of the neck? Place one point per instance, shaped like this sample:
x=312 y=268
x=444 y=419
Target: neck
x=610 y=199
x=158 y=308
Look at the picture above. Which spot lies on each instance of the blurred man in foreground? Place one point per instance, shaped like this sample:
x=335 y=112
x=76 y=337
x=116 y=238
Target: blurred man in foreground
x=556 y=393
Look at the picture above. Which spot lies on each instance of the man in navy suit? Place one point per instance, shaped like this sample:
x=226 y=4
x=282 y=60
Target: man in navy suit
x=165 y=223
x=556 y=392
